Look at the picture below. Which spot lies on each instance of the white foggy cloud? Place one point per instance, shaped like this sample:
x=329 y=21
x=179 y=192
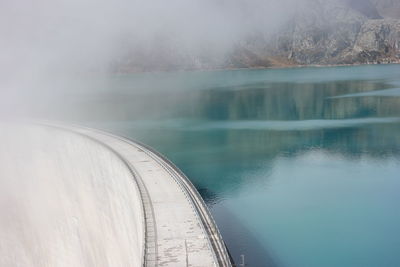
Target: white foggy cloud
x=57 y=33
x=44 y=40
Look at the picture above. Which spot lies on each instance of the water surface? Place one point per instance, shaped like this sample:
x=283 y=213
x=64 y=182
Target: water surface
x=300 y=167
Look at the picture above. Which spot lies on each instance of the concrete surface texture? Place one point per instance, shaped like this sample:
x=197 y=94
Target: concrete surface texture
x=73 y=196
x=66 y=201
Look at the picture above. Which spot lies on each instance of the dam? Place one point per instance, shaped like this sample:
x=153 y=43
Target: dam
x=74 y=196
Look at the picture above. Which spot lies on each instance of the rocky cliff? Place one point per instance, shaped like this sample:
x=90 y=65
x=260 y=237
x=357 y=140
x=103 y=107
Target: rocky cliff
x=321 y=32
x=335 y=32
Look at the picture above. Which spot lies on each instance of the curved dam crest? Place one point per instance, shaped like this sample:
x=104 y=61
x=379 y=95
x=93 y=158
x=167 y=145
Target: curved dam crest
x=74 y=196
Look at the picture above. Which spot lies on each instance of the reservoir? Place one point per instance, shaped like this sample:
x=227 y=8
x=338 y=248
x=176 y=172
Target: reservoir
x=299 y=167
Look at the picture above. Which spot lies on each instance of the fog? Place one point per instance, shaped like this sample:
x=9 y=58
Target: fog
x=46 y=43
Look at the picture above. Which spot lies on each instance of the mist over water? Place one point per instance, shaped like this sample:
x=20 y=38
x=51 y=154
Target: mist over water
x=52 y=46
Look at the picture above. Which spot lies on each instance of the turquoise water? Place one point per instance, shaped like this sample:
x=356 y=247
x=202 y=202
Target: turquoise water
x=300 y=167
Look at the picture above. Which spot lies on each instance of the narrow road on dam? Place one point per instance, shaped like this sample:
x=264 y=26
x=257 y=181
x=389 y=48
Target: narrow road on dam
x=168 y=223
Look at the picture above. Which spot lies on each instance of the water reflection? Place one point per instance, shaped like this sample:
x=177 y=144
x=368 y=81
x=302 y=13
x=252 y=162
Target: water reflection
x=268 y=100
x=223 y=160
x=300 y=167
x=385 y=92
x=293 y=101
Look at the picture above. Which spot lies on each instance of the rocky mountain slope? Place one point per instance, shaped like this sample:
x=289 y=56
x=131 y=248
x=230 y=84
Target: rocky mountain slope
x=334 y=32
x=321 y=32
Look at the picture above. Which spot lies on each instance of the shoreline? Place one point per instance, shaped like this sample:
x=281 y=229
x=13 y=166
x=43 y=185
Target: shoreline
x=298 y=66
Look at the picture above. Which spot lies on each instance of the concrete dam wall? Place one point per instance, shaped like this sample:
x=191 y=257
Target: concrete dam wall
x=74 y=196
